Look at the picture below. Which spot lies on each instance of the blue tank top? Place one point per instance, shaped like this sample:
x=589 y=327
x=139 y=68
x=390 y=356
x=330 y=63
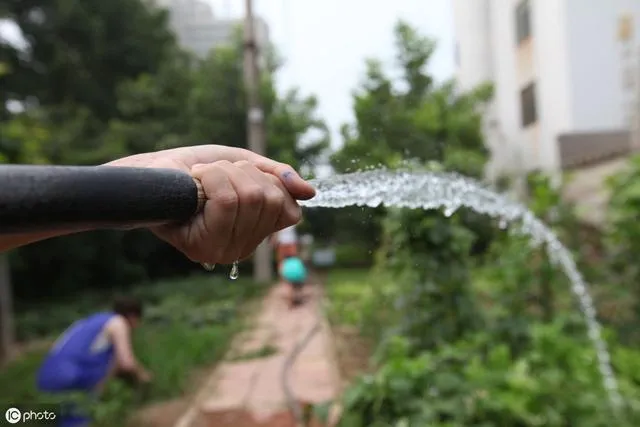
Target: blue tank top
x=80 y=358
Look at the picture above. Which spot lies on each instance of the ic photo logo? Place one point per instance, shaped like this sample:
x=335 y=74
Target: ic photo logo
x=15 y=415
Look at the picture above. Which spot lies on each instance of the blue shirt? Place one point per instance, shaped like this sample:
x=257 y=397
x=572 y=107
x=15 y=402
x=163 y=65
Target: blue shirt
x=80 y=358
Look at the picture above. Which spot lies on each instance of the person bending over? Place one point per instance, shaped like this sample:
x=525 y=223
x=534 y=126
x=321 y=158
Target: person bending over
x=295 y=273
x=88 y=353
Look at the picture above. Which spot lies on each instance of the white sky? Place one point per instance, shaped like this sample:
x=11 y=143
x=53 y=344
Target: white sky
x=325 y=42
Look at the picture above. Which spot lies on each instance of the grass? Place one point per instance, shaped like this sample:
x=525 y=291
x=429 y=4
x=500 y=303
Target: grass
x=354 y=296
x=189 y=325
x=264 y=351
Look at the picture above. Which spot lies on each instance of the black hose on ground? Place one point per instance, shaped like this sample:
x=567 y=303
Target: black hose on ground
x=292 y=403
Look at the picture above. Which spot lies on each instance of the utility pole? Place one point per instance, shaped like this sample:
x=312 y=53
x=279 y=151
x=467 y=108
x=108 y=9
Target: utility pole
x=256 y=134
x=635 y=142
x=7 y=337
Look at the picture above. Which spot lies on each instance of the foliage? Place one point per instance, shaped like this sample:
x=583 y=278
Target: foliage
x=79 y=52
x=476 y=382
x=623 y=238
x=202 y=334
x=413 y=118
x=353 y=255
x=362 y=298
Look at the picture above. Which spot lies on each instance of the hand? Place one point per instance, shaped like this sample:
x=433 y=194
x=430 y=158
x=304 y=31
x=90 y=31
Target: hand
x=144 y=376
x=249 y=197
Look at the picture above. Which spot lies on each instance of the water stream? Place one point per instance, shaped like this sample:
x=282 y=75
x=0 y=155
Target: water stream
x=428 y=190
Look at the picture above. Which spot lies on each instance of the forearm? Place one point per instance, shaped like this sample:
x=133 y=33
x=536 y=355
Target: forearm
x=12 y=241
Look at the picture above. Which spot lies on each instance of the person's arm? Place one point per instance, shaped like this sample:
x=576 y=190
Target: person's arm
x=120 y=334
x=12 y=241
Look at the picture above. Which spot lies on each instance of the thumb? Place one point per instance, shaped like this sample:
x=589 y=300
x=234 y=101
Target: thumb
x=293 y=182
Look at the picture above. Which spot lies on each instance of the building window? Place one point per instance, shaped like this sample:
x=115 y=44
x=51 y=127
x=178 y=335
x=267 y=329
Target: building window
x=523 y=21
x=528 y=105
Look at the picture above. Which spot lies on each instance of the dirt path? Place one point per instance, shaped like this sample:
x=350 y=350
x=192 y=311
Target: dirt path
x=246 y=390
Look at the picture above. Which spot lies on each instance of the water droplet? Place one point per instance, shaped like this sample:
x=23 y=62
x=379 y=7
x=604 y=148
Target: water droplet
x=208 y=267
x=450 y=210
x=235 y=271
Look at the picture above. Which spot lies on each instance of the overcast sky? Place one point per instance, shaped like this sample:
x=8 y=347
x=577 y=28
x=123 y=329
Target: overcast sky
x=325 y=42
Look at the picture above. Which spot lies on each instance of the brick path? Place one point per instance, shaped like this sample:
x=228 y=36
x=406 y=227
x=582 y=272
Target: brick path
x=252 y=389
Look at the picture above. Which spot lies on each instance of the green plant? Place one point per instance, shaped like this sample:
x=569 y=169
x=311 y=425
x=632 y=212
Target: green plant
x=624 y=228
x=477 y=382
x=353 y=255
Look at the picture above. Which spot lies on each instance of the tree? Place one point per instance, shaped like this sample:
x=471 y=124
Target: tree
x=79 y=52
x=412 y=118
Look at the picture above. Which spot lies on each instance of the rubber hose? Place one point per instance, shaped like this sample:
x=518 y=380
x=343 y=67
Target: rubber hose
x=294 y=405
x=36 y=198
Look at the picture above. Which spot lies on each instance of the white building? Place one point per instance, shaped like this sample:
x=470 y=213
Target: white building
x=558 y=69
x=198 y=30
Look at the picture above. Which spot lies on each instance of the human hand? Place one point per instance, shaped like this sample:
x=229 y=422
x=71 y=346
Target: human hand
x=248 y=196
x=144 y=376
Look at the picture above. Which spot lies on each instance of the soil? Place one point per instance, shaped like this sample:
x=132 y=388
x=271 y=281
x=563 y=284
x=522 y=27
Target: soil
x=167 y=413
x=163 y=414
x=244 y=419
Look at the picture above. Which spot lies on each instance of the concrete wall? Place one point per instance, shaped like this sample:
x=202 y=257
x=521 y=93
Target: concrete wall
x=551 y=58
x=598 y=97
x=474 y=53
x=511 y=149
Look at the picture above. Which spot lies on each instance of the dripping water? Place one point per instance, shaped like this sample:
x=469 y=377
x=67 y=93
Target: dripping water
x=208 y=267
x=235 y=271
x=233 y=274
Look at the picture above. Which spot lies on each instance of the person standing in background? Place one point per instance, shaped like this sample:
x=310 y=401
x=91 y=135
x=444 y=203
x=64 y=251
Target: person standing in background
x=306 y=246
x=286 y=244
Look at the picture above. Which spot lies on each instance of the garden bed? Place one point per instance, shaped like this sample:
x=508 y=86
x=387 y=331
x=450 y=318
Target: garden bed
x=189 y=328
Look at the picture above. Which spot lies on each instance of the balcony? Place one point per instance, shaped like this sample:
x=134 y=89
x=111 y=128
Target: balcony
x=583 y=150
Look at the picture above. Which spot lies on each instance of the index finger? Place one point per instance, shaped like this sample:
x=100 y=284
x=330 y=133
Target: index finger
x=293 y=182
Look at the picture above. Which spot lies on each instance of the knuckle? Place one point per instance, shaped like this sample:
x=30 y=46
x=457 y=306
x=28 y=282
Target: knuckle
x=226 y=199
x=251 y=195
x=274 y=197
x=294 y=213
x=297 y=216
x=242 y=163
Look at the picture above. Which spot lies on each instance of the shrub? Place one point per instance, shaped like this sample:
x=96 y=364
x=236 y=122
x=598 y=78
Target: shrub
x=476 y=382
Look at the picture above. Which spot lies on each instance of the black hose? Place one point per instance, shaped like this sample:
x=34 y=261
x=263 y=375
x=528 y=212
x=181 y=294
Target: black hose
x=36 y=198
x=292 y=403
